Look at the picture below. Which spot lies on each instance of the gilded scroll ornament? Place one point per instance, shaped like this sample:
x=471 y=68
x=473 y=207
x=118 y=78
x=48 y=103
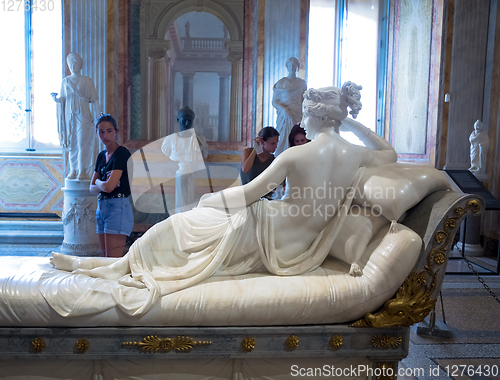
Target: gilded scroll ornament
x=411 y=305
x=248 y=344
x=38 y=345
x=387 y=370
x=292 y=342
x=386 y=341
x=82 y=345
x=413 y=302
x=336 y=342
x=152 y=343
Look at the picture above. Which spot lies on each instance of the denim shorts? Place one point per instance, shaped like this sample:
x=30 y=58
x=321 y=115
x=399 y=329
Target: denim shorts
x=114 y=216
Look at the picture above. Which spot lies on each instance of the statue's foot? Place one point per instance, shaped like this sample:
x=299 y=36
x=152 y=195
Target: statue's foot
x=64 y=262
x=72 y=174
x=355 y=271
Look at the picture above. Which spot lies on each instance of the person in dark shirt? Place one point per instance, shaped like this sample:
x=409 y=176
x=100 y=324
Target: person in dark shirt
x=255 y=161
x=114 y=216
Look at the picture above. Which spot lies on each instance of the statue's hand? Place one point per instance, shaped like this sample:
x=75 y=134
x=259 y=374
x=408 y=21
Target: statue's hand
x=54 y=96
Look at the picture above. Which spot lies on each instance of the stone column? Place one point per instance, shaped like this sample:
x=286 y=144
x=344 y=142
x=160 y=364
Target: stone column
x=88 y=38
x=235 y=56
x=78 y=217
x=223 y=126
x=157 y=64
x=154 y=110
x=187 y=89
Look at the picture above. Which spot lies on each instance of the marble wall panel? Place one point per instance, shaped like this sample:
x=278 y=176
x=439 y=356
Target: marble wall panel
x=411 y=69
x=31 y=185
x=282 y=41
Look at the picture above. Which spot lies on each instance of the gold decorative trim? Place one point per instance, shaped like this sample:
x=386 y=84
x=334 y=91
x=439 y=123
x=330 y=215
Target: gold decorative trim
x=387 y=370
x=413 y=302
x=38 y=345
x=386 y=341
x=152 y=343
x=248 y=344
x=82 y=345
x=336 y=342
x=292 y=342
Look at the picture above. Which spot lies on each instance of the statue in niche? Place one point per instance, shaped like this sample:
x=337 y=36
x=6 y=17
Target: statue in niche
x=225 y=31
x=187 y=30
x=479 y=142
x=189 y=149
x=77 y=108
x=287 y=99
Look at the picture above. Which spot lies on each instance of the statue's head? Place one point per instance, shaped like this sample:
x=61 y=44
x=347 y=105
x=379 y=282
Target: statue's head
x=75 y=62
x=292 y=64
x=478 y=126
x=328 y=105
x=185 y=118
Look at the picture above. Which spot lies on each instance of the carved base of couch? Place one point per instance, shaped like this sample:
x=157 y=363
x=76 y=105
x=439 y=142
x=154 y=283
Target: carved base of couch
x=374 y=343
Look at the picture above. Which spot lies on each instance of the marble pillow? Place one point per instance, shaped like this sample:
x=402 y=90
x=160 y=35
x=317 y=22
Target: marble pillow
x=394 y=188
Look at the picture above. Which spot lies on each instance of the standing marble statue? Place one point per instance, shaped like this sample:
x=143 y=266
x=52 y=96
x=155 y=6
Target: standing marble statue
x=479 y=143
x=287 y=99
x=77 y=108
x=189 y=149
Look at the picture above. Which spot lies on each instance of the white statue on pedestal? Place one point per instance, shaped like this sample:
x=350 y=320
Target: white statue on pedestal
x=479 y=142
x=189 y=149
x=77 y=108
x=287 y=99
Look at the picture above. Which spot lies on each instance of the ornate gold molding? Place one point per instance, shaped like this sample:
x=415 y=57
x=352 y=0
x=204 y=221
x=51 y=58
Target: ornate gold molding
x=82 y=345
x=388 y=370
x=38 y=345
x=248 y=344
x=386 y=341
x=152 y=343
x=413 y=302
x=336 y=342
x=292 y=342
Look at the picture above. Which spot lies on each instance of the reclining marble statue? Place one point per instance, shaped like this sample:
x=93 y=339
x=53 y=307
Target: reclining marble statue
x=235 y=232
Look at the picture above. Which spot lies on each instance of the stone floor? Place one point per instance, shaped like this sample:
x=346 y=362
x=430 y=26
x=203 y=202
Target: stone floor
x=472 y=316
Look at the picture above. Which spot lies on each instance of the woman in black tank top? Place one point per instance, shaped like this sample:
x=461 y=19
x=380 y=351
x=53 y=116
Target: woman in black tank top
x=255 y=161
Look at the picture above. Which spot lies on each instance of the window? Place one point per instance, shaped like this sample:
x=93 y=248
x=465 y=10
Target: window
x=31 y=69
x=345 y=45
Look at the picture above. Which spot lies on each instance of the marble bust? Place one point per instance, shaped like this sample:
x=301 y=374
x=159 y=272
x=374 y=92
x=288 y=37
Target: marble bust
x=77 y=108
x=479 y=142
x=287 y=99
x=187 y=147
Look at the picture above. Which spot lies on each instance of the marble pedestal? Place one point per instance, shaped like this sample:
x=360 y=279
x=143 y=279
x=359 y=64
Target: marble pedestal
x=78 y=217
x=472 y=245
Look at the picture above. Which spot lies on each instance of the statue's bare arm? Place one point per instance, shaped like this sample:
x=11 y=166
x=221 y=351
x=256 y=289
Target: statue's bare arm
x=56 y=99
x=377 y=150
x=238 y=197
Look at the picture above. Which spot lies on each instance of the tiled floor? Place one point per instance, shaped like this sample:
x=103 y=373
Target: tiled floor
x=472 y=316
